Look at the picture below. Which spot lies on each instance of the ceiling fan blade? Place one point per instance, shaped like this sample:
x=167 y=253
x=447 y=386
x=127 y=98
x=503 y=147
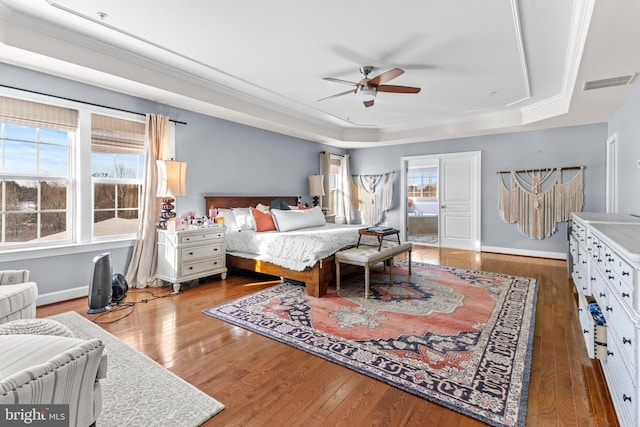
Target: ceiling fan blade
x=338 y=94
x=368 y=103
x=346 y=82
x=397 y=89
x=386 y=76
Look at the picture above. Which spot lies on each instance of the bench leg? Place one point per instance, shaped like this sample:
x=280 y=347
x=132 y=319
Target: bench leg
x=337 y=278
x=409 y=262
x=391 y=271
x=366 y=281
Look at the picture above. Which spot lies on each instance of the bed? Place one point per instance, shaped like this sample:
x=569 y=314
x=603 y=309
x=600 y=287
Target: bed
x=312 y=262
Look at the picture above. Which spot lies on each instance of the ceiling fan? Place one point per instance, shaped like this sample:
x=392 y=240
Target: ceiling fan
x=366 y=89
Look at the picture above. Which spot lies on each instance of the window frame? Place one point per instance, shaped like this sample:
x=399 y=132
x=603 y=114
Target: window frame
x=80 y=200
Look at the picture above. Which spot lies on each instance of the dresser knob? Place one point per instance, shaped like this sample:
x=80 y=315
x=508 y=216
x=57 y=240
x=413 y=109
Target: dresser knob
x=190 y=253
x=625 y=295
x=626 y=340
x=603 y=295
x=610 y=277
x=626 y=398
x=607 y=270
x=585 y=331
x=608 y=308
x=625 y=273
x=609 y=353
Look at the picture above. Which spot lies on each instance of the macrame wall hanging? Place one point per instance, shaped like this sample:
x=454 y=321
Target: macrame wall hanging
x=535 y=210
x=373 y=195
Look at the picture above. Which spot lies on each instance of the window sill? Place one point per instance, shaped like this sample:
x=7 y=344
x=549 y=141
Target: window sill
x=65 y=249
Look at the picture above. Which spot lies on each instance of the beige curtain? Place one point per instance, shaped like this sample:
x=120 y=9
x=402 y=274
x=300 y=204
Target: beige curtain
x=143 y=265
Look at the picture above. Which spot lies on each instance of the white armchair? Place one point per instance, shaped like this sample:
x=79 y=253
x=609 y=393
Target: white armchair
x=17 y=295
x=47 y=369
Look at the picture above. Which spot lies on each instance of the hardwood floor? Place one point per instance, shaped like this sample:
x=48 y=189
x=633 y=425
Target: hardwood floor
x=264 y=382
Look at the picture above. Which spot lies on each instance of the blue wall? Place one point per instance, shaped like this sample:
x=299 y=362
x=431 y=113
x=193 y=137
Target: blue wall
x=228 y=158
x=568 y=146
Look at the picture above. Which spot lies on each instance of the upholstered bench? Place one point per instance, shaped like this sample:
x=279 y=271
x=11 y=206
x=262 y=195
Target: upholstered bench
x=366 y=256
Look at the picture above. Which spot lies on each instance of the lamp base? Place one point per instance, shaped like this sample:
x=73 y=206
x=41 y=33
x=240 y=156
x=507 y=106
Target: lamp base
x=167 y=212
x=316 y=200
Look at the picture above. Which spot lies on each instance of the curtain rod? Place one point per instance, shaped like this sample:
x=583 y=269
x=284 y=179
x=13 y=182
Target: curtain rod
x=85 y=102
x=542 y=169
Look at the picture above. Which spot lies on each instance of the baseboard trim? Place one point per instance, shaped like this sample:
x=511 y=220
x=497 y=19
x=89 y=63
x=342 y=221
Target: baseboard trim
x=64 y=295
x=524 y=252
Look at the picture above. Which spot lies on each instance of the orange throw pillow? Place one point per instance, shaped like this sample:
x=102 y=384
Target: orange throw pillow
x=263 y=220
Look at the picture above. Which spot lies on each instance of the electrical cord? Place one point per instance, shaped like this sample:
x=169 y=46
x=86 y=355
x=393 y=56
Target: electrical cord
x=128 y=305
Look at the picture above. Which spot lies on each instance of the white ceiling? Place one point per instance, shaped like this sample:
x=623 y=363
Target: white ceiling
x=484 y=67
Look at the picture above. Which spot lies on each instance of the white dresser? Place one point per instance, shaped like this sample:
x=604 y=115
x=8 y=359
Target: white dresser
x=191 y=254
x=605 y=249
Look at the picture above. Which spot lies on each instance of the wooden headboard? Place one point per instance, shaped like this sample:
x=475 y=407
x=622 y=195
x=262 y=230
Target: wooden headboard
x=226 y=202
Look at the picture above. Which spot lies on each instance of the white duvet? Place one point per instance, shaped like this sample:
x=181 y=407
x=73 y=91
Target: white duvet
x=295 y=250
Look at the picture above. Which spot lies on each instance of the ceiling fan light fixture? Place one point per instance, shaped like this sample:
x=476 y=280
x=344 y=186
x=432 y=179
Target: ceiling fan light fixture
x=365 y=93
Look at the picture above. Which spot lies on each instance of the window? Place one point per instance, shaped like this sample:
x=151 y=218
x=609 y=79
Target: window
x=422 y=182
x=117 y=170
x=35 y=147
x=42 y=177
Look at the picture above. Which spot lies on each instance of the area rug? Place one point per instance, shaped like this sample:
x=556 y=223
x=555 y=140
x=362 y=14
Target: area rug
x=138 y=391
x=456 y=337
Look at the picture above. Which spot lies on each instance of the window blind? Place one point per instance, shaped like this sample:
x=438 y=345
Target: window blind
x=34 y=114
x=113 y=135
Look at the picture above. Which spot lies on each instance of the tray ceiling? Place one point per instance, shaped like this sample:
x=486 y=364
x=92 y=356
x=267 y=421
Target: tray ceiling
x=483 y=67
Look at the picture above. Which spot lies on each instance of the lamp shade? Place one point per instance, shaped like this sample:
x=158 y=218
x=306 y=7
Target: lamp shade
x=316 y=187
x=171 y=178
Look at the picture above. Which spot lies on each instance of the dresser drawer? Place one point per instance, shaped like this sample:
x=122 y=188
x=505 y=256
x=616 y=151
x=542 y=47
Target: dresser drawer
x=202 y=266
x=595 y=334
x=622 y=390
x=197 y=252
x=623 y=330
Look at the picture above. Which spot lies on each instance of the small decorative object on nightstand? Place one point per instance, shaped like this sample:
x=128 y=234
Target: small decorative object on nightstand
x=331 y=219
x=191 y=254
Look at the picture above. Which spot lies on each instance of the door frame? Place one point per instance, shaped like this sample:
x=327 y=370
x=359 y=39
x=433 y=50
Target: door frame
x=477 y=202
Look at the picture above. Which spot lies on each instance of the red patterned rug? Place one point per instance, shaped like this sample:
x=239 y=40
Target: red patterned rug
x=456 y=337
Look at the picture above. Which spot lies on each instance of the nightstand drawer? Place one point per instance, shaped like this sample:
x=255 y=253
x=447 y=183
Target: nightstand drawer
x=197 y=252
x=200 y=237
x=202 y=266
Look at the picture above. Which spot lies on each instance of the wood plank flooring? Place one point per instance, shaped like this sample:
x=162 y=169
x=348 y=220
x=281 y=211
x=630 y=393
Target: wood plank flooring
x=264 y=382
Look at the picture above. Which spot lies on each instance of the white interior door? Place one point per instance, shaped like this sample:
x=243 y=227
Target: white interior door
x=458 y=197
x=460 y=201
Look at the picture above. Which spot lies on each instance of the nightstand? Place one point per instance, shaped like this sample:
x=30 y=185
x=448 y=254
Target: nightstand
x=331 y=219
x=191 y=254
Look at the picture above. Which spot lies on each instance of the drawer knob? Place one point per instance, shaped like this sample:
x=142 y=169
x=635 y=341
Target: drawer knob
x=190 y=268
x=603 y=295
x=585 y=331
x=584 y=262
x=626 y=398
x=609 y=308
x=215 y=249
x=607 y=270
x=625 y=295
x=625 y=273
x=609 y=353
x=593 y=279
x=190 y=253
x=626 y=340
x=610 y=277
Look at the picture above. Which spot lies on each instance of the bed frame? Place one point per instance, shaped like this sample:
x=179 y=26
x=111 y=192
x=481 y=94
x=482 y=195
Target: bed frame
x=316 y=278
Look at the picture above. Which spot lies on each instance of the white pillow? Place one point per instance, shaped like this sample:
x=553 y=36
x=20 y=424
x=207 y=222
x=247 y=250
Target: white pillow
x=244 y=220
x=297 y=219
x=229 y=218
x=262 y=207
